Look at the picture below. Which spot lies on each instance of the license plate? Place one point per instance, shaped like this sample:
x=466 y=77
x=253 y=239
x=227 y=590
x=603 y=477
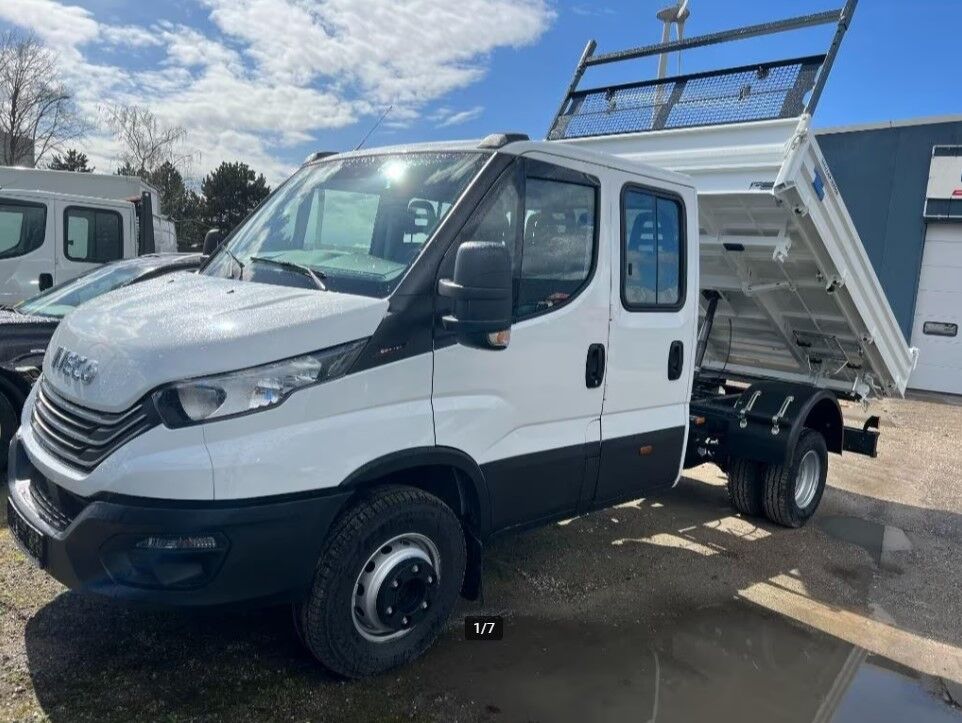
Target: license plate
x=30 y=539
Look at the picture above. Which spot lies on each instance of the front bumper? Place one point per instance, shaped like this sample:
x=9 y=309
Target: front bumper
x=266 y=549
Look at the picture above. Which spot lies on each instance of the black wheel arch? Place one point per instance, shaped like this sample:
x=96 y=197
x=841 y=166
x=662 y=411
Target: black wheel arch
x=823 y=414
x=14 y=386
x=451 y=475
x=752 y=434
x=15 y=390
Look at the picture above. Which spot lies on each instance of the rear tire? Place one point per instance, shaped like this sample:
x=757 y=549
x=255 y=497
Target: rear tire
x=388 y=576
x=746 y=486
x=794 y=489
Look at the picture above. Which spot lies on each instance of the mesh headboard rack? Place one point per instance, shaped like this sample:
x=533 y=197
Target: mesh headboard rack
x=762 y=91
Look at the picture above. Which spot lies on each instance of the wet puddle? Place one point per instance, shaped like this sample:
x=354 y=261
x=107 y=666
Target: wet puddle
x=737 y=662
x=883 y=542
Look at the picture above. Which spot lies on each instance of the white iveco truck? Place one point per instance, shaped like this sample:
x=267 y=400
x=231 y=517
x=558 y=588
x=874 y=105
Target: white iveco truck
x=406 y=351
x=56 y=225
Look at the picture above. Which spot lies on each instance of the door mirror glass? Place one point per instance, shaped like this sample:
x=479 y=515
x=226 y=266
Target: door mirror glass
x=212 y=240
x=482 y=294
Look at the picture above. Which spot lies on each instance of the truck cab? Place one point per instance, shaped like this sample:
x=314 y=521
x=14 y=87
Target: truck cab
x=508 y=325
x=56 y=225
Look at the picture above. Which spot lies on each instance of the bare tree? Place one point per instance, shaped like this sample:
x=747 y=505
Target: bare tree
x=147 y=142
x=37 y=112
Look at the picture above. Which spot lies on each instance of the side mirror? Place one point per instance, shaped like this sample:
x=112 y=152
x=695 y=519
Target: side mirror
x=212 y=240
x=482 y=293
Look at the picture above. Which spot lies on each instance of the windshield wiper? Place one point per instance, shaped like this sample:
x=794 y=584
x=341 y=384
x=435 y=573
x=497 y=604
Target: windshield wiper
x=10 y=307
x=240 y=264
x=316 y=276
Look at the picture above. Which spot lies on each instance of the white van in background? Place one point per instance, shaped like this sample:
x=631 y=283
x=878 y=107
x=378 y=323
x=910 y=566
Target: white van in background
x=55 y=225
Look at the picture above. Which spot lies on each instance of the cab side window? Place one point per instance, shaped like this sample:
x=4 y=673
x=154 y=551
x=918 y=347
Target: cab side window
x=496 y=218
x=653 y=248
x=92 y=235
x=22 y=227
x=559 y=243
x=547 y=220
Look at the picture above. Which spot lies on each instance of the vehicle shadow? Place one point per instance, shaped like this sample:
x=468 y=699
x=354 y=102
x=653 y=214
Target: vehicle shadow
x=660 y=559
x=686 y=544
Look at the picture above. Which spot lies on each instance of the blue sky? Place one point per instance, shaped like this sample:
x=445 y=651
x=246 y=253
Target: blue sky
x=268 y=81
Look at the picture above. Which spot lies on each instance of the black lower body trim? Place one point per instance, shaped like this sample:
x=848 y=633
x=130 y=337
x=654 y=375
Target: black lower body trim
x=635 y=465
x=246 y=553
x=531 y=489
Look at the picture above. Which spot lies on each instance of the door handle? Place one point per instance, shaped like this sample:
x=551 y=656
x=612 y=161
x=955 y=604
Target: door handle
x=676 y=360
x=45 y=281
x=595 y=366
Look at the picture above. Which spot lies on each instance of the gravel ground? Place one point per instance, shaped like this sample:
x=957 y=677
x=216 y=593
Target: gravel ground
x=667 y=607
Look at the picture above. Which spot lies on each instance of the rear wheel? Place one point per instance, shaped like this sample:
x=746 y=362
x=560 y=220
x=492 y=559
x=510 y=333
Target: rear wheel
x=387 y=579
x=746 y=485
x=794 y=489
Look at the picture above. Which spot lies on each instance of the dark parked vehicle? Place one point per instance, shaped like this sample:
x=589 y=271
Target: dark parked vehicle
x=25 y=329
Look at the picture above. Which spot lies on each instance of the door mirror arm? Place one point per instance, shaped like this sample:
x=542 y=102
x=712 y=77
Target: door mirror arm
x=482 y=293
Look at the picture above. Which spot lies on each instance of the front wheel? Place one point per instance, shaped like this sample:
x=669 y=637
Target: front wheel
x=794 y=489
x=387 y=579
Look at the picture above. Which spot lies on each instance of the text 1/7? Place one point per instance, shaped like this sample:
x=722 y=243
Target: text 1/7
x=488 y=627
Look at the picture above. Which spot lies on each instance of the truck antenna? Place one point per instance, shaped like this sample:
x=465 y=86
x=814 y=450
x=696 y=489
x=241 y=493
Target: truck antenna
x=374 y=127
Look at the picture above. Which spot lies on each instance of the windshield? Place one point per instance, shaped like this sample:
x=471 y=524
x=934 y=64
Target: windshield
x=57 y=301
x=357 y=223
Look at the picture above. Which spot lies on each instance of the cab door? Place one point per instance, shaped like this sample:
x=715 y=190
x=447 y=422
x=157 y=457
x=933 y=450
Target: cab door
x=654 y=315
x=530 y=414
x=26 y=247
x=88 y=236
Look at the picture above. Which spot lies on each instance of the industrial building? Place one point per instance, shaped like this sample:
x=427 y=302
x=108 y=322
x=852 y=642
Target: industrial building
x=902 y=184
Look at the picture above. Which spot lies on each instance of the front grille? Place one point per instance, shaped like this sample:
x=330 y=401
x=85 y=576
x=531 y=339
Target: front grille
x=83 y=437
x=54 y=504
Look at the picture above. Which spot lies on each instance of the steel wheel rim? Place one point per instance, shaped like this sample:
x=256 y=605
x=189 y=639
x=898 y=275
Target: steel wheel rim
x=806 y=481
x=410 y=546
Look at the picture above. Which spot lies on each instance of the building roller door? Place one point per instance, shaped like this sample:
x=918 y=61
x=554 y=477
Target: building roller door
x=938 y=311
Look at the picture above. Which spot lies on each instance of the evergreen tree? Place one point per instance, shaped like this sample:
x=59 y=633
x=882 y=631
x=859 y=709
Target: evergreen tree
x=71 y=160
x=231 y=191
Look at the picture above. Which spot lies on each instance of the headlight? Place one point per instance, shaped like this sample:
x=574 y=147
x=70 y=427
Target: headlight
x=227 y=395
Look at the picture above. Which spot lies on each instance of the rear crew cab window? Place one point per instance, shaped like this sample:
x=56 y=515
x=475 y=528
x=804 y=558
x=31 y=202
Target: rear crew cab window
x=22 y=227
x=93 y=235
x=652 y=250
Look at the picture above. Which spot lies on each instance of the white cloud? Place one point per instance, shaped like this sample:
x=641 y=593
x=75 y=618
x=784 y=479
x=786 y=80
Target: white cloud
x=273 y=73
x=129 y=35
x=63 y=27
x=447 y=117
x=399 y=52
x=592 y=10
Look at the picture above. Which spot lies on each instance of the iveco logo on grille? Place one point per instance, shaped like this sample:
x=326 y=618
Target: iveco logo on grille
x=74 y=366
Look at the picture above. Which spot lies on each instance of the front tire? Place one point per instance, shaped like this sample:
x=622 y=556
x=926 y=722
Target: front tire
x=386 y=581
x=794 y=489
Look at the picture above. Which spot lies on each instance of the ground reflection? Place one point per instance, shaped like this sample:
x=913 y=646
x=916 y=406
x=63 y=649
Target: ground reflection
x=734 y=662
